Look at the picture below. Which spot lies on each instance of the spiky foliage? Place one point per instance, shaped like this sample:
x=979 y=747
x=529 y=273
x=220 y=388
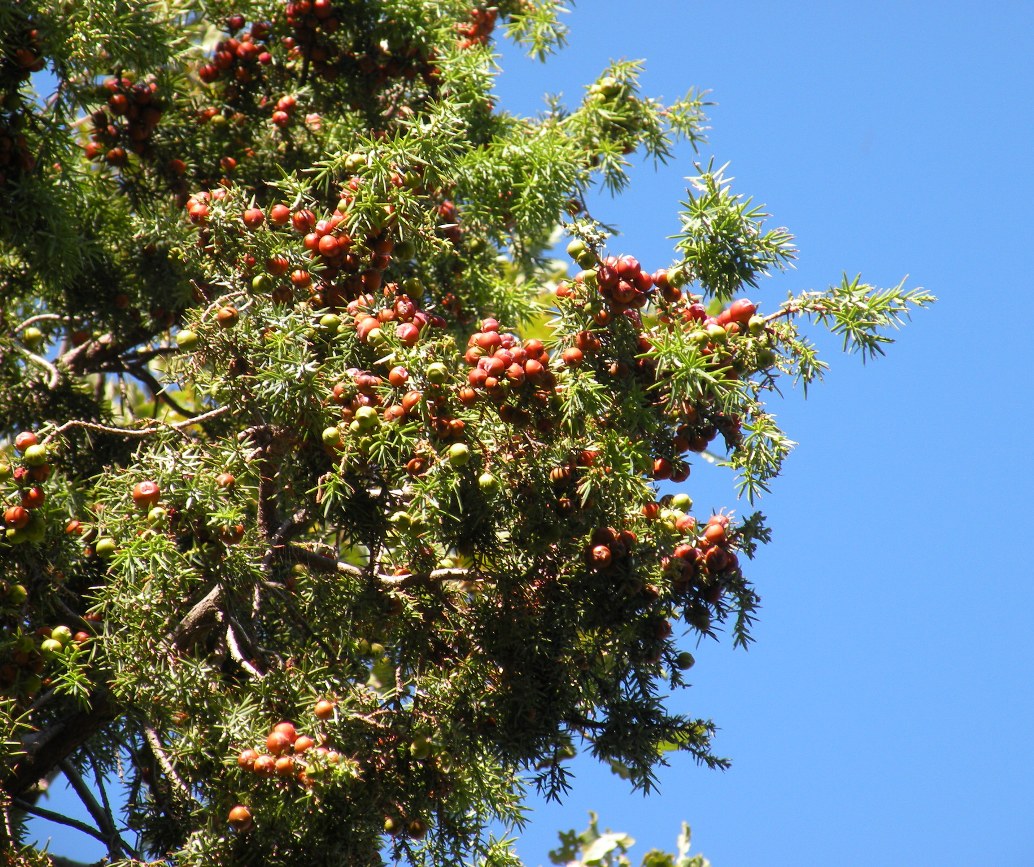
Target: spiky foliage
x=281 y=446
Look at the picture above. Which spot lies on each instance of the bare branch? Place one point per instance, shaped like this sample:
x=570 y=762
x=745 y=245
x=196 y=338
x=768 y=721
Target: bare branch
x=159 y=753
x=235 y=652
x=54 y=375
x=40 y=317
x=51 y=816
x=200 y=619
x=152 y=426
x=105 y=821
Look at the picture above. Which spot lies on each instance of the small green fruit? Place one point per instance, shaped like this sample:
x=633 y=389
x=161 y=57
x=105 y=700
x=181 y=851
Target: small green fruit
x=677 y=277
x=187 y=339
x=262 y=283
x=157 y=516
x=105 y=547
x=331 y=437
x=684 y=502
x=32 y=337
x=401 y=520
x=366 y=418
x=16 y=595
x=35 y=455
x=437 y=373
x=51 y=647
x=421 y=748
x=717 y=333
x=61 y=634
x=330 y=321
x=459 y=454
x=488 y=483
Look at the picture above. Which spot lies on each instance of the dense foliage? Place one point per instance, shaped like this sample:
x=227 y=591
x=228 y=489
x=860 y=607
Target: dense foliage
x=331 y=517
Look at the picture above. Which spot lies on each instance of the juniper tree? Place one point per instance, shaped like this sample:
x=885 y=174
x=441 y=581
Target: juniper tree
x=332 y=520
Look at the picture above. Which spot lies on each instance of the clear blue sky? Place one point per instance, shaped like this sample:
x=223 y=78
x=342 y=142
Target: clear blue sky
x=885 y=715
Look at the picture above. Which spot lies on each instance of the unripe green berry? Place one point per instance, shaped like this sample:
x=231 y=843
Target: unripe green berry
x=437 y=373
x=61 y=634
x=35 y=456
x=32 y=337
x=459 y=454
x=187 y=339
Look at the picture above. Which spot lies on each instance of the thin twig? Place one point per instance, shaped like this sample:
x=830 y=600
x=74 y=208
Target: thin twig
x=105 y=821
x=235 y=652
x=152 y=426
x=327 y=563
x=163 y=760
x=51 y=816
x=41 y=317
x=55 y=375
x=143 y=374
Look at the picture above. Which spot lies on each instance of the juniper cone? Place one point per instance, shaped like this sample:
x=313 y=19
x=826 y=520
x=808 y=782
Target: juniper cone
x=333 y=515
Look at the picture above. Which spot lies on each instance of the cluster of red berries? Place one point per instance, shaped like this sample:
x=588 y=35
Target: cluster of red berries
x=22 y=521
x=359 y=398
x=315 y=22
x=238 y=59
x=564 y=479
x=702 y=563
x=21 y=54
x=504 y=367
x=284 y=110
x=478 y=29
x=609 y=548
x=289 y=754
x=133 y=114
x=410 y=320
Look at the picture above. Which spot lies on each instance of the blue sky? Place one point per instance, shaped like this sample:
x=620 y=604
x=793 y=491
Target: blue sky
x=885 y=714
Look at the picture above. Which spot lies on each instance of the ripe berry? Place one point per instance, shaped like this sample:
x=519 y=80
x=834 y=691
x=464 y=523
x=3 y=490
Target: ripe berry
x=24 y=440
x=324 y=709
x=278 y=743
x=146 y=494
x=253 y=217
x=240 y=818
x=16 y=517
x=227 y=316
x=246 y=759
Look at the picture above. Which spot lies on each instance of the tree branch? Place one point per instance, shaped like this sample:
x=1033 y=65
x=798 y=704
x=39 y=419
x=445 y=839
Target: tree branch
x=53 y=744
x=105 y=821
x=159 y=753
x=51 y=816
x=201 y=618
